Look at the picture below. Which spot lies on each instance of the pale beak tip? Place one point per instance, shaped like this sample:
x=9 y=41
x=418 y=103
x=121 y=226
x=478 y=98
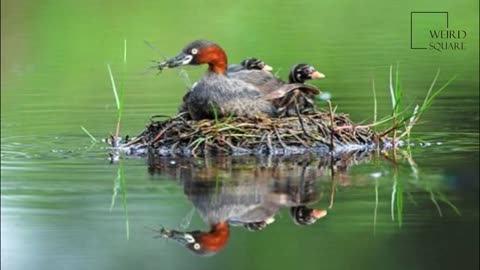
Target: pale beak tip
x=319 y=213
x=270 y=220
x=267 y=68
x=318 y=75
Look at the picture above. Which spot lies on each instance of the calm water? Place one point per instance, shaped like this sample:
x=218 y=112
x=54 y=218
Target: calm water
x=62 y=205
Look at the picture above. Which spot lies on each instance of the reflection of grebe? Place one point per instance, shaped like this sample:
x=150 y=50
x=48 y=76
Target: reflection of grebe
x=252 y=204
x=243 y=191
x=245 y=195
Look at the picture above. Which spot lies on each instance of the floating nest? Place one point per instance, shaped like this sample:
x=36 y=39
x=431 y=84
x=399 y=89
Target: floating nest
x=316 y=132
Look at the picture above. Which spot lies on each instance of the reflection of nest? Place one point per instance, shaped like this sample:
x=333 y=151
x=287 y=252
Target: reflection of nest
x=308 y=132
x=279 y=170
x=280 y=173
x=251 y=189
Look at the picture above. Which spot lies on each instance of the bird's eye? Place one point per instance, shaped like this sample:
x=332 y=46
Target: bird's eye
x=196 y=246
x=194 y=51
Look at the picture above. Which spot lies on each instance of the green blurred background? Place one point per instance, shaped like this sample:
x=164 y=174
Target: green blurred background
x=54 y=54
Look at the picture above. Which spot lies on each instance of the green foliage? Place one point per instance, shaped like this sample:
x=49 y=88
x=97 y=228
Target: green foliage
x=404 y=118
x=409 y=120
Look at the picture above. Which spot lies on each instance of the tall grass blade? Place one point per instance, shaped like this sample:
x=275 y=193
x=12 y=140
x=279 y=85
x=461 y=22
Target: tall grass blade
x=119 y=94
x=374 y=101
x=89 y=134
x=431 y=86
x=398 y=97
x=392 y=199
x=116 y=187
x=436 y=93
x=154 y=49
x=185 y=223
x=434 y=201
x=449 y=203
x=277 y=74
x=183 y=74
x=392 y=92
x=382 y=121
x=414 y=114
x=398 y=91
x=418 y=110
x=123 y=187
x=114 y=87
x=215 y=115
x=400 y=203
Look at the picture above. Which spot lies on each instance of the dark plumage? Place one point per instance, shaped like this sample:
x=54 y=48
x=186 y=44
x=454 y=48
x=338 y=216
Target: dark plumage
x=291 y=101
x=227 y=97
x=249 y=64
x=215 y=93
x=265 y=82
x=241 y=93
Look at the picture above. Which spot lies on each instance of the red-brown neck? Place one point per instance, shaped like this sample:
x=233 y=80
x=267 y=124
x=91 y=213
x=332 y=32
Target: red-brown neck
x=215 y=57
x=217 y=238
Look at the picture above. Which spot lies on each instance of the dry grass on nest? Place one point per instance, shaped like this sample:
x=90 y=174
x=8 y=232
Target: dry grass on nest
x=238 y=135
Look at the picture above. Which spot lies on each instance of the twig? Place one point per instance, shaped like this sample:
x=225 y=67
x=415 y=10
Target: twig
x=162 y=132
x=280 y=139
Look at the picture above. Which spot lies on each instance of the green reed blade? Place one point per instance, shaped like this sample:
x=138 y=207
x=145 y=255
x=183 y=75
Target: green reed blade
x=89 y=134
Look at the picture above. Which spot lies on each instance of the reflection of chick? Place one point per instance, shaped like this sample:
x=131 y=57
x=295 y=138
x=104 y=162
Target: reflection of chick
x=302 y=215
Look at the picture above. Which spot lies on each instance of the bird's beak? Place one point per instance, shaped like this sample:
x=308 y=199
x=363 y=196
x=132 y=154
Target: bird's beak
x=317 y=75
x=182 y=238
x=267 y=68
x=318 y=213
x=179 y=60
x=302 y=215
x=270 y=220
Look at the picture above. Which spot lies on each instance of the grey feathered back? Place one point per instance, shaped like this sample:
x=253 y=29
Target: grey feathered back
x=227 y=97
x=264 y=81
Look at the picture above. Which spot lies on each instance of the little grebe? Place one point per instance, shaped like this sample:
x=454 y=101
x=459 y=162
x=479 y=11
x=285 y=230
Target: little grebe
x=215 y=94
x=250 y=64
x=218 y=94
x=291 y=101
x=247 y=64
